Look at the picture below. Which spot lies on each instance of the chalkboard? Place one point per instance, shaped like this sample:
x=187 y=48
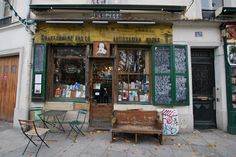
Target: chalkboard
x=162 y=89
x=162 y=59
x=39 y=58
x=181 y=89
x=180 y=60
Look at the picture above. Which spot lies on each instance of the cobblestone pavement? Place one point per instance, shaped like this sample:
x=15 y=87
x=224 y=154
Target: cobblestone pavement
x=205 y=143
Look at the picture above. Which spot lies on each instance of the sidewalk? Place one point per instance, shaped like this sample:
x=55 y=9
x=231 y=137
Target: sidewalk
x=204 y=143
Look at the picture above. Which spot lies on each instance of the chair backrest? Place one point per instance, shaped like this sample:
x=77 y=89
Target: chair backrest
x=82 y=113
x=27 y=125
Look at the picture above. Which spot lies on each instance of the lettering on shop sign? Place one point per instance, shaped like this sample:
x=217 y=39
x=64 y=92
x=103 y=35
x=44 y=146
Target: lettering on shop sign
x=114 y=15
x=170 y=121
x=127 y=39
x=135 y=39
x=62 y=38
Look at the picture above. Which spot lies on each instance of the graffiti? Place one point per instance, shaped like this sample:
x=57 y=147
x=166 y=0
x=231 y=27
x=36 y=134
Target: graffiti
x=170 y=122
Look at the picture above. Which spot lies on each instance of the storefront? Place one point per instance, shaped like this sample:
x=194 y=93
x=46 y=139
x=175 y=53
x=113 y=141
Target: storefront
x=230 y=61
x=105 y=65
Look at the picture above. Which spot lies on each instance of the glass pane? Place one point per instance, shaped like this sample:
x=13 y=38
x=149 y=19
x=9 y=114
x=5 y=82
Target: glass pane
x=5 y=70
x=13 y=69
x=132 y=61
x=162 y=89
x=181 y=89
x=162 y=59
x=180 y=60
x=39 y=58
x=102 y=81
x=69 y=75
x=133 y=68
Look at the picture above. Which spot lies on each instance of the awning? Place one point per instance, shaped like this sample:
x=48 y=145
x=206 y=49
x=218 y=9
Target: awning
x=226 y=11
x=107 y=7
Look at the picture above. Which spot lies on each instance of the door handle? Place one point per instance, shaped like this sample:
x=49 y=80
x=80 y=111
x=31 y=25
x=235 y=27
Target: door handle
x=203 y=98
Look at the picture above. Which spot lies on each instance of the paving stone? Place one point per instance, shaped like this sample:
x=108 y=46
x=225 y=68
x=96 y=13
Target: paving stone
x=205 y=143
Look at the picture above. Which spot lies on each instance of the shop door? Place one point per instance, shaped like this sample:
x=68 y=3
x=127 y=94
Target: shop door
x=8 y=86
x=101 y=94
x=203 y=88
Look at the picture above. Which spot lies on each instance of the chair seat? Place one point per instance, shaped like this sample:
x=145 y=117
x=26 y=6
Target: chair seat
x=75 y=122
x=40 y=131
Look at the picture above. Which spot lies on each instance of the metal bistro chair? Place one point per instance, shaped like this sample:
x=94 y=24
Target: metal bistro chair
x=77 y=125
x=30 y=130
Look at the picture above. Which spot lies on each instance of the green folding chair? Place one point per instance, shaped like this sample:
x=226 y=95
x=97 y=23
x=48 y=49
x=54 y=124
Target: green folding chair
x=77 y=125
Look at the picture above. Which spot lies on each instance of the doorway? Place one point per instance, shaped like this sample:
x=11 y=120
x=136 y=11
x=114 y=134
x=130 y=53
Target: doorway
x=203 y=81
x=8 y=87
x=101 y=93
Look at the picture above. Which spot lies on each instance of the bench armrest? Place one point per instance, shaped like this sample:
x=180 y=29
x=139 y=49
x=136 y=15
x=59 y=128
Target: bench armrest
x=114 y=122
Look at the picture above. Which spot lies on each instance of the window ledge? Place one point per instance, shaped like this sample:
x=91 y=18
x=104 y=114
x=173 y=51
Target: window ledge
x=77 y=100
x=15 y=24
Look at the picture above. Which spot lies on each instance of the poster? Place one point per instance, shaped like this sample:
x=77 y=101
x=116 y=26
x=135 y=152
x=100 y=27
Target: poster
x=37 y=88
x=38 y=78
x=101 y=48
x=231 y=54
x=170 y=121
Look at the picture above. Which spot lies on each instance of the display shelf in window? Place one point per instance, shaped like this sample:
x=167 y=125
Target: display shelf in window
x=133 y=88
x=133 y=75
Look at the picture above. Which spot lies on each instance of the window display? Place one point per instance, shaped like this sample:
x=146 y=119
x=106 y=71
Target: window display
x=69 y=73
x=133 y=75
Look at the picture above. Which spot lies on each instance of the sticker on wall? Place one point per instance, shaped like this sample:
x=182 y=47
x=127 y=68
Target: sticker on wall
x=170 y=121
x=231 y=54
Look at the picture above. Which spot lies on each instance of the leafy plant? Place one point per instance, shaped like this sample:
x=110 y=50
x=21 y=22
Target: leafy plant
x=233 y=49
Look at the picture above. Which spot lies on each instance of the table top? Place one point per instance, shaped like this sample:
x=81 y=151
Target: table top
x=54 y=113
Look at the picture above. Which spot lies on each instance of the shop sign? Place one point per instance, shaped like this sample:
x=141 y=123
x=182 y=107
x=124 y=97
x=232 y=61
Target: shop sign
x=231 y=54
x=113 y=33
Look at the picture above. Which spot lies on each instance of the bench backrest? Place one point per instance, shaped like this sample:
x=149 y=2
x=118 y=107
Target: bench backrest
x=136 y=117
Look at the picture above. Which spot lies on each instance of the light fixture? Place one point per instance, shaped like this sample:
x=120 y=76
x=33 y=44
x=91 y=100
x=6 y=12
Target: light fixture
x=100 y=22
x=137 y=22
x=73 y=22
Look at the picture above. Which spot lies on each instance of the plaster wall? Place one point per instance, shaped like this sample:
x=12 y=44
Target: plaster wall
x=211 y=38
x=15 y=40
x=229 y=3
x=1 y=9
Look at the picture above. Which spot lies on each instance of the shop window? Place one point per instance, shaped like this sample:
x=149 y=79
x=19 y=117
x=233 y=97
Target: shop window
x=133 y=75
x=69 y=72
x=170 y=75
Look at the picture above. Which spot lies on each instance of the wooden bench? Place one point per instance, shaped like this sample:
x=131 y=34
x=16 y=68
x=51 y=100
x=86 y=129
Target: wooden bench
x=137 y=122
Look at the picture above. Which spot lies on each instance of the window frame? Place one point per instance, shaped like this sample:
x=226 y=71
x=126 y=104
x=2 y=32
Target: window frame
x=173 y=75
x=39 y=97
x=84 y=59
